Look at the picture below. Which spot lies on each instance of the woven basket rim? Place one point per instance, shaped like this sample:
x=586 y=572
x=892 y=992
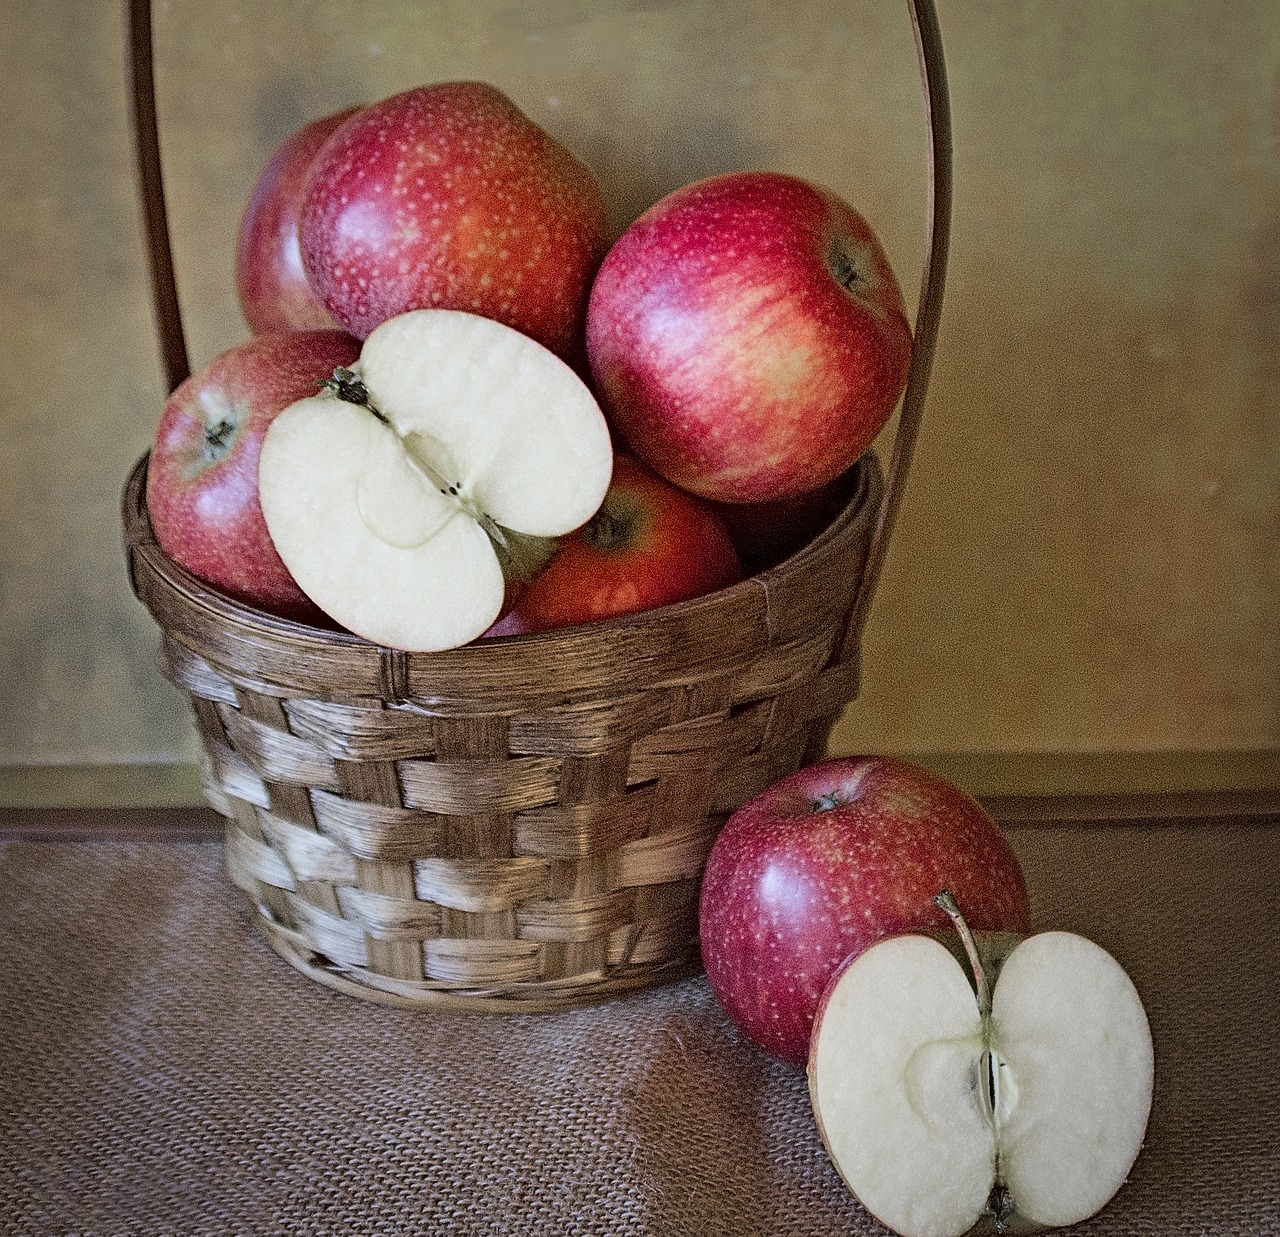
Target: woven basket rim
x=139 y=537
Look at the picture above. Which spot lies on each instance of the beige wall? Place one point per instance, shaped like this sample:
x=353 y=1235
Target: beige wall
x=1087 y=559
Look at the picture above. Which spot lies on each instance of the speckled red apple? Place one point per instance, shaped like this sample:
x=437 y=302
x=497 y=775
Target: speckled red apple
x=826 y=862
x=202 y=478
x=747 y=337
x=449 y=197
x=274 y=292
x=649 y=545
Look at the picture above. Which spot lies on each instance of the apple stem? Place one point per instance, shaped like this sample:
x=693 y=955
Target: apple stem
x=604 y=530
x=347 y=385
x=947 y=902
x=1000 y=1203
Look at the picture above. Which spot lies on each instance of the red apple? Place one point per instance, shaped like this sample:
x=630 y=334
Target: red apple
x=649 y=545
x=274 y=292
x=829 y=860
x=766 y=533
x=202 y=479
x=747 y=337
x=449 y=197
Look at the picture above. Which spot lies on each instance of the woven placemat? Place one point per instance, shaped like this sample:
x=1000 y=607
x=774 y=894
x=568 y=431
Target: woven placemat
x=161 y=1071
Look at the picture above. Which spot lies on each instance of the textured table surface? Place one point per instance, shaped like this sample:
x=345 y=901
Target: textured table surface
x=161 y=1071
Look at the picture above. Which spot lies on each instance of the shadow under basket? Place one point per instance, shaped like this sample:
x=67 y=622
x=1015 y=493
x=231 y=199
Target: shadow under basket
x=521 y=823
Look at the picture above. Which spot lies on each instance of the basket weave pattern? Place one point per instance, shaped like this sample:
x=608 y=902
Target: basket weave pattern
x=521 y=823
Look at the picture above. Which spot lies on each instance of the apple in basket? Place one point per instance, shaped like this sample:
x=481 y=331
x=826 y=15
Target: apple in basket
x=649 y=545
x=449 y=196
x=765 y=533
x=747 y=337
x=274 y=292
x=825 y=862
x=202 y=477
x=438 y=467
x=1017 y=1098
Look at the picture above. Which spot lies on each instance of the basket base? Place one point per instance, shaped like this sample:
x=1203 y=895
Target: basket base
x=511 y=999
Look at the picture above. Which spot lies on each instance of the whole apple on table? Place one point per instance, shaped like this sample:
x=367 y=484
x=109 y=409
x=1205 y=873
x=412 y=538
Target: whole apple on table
x=825 y=862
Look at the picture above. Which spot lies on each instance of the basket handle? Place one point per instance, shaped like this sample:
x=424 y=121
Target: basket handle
x=924 y=21
x=933 y=80
x=146 y=149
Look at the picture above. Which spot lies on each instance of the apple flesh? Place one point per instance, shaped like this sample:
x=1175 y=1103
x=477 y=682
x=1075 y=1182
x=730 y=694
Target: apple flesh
x=448 y=196
x=272 y=286
x=1022 y=1104
x=825 y=862
x=202 y=477
x=442 y=463
x=747 y=337
x=649 y=545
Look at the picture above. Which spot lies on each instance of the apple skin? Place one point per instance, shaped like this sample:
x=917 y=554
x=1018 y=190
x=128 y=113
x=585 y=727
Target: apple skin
x=448 y=196
x=748 y=337
x=768 y=532
x=827 y=861
x=202 y=486
x=649 y=545
x=274 y=292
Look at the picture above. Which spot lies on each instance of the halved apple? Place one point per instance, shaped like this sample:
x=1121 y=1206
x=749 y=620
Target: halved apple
x=440 y=466
x=1023 y=1104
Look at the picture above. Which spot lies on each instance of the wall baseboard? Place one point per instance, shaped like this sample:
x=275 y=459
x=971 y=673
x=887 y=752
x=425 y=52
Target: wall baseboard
x=1006 y=776
x=1105 y=773
x=100 y=786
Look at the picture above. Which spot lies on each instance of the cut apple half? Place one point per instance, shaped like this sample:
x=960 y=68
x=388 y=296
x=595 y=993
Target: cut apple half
x=443 y=464
x=1020 y=1099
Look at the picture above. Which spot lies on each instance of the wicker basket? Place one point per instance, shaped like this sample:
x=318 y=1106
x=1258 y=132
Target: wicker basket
x=521 y=823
